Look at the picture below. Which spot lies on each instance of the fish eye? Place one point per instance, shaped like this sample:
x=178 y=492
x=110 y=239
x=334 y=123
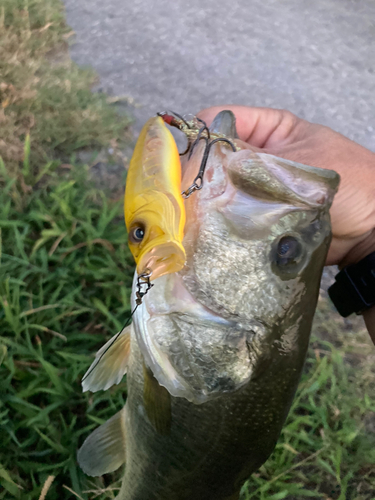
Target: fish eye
x=137 y=234
x=287 y=247
x=287 y=255
x=288 y=251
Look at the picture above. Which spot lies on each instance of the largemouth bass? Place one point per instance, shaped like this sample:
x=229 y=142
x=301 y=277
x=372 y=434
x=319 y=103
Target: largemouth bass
x=216 y=350
x=154 y=208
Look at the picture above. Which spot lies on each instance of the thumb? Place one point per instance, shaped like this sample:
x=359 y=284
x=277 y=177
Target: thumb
x=260 y=127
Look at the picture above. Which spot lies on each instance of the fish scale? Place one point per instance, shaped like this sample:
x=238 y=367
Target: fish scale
x=201 y=437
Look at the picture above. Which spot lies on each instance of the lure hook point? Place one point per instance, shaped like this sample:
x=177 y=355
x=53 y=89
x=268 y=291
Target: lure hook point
x=143 y=280
x=195 y=186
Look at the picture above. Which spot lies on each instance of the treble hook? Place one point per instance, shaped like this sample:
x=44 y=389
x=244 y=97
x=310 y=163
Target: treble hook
x=204 y=128
x=143 y=280
x=199 y=136
x=145 y=276
x=180 y=124
x=176 y=120
x=195 y=186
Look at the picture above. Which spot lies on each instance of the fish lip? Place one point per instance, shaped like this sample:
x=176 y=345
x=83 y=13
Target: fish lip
x=162 y=256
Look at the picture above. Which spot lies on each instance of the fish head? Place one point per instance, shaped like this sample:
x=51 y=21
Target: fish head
x=256 y=232
x=256 y=240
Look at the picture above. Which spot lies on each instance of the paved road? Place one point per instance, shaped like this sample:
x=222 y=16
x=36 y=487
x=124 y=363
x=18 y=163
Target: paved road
x=316 y=58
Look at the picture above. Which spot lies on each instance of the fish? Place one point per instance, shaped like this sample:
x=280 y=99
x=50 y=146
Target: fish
x=154 y=208
x=215 y=351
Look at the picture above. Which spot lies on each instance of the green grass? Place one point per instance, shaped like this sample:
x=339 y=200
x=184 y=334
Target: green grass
x=64 y=264
x=65 y=279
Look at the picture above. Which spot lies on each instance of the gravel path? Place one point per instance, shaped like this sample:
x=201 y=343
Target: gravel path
x=316 y=58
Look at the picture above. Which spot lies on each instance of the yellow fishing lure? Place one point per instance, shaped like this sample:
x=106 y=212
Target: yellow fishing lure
x=154 y=207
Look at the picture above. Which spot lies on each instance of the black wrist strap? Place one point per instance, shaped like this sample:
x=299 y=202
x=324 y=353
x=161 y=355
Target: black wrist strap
x=354 y=288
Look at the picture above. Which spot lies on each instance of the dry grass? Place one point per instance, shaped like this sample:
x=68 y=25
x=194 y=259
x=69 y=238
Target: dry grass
x=50 y=102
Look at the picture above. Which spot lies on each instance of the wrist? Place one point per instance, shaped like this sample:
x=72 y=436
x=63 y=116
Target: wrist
x=360 y=250
x=354 y=287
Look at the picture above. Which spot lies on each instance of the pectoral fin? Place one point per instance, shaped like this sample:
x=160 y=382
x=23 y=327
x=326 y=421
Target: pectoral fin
x=104 y=450
x=157 y=402
x=110 y=364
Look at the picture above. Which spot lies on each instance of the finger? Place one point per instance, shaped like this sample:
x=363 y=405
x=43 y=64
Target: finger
x=260 y=127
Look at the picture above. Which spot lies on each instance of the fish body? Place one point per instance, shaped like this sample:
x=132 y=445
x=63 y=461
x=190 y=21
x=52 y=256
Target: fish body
x=216 y=349
x=154 y=209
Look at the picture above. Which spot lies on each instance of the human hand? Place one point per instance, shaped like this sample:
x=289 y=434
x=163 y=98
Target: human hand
x=283 y=134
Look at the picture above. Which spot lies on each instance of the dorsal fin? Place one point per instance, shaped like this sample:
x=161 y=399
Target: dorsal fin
x=104 y=449
x=110 y=364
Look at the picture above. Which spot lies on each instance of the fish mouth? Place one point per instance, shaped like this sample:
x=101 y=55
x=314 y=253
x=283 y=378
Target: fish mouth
x=161 y=256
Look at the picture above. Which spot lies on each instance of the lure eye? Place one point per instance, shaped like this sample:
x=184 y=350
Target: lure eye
x=289 y=250
x=137 y=234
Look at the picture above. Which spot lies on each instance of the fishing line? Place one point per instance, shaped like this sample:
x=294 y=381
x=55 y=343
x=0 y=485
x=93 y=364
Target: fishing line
x=139 y=296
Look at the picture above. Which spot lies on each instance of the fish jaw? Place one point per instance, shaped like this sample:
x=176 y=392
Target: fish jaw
x=161 y=256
